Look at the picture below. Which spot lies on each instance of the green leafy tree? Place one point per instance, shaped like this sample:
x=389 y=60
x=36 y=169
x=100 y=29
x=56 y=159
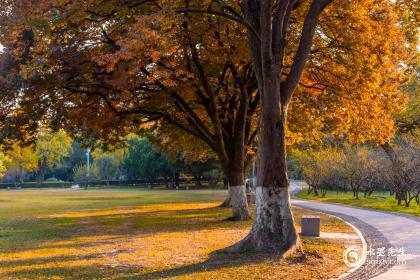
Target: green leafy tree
x=64 y=170
x=142 y=162
x=200 y=170
x=82 y=176
x=51 y=147
x=108 y=167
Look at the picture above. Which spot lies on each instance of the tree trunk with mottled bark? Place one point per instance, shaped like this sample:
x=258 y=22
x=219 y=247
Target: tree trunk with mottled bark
x=237 y=194
x=273 y=229
x=235 y=174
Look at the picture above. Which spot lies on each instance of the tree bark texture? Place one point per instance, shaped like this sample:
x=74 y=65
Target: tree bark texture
x=234 y=171
x=273 y=229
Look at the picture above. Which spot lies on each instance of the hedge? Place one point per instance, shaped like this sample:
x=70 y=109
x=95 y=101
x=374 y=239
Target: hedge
x=62 y=184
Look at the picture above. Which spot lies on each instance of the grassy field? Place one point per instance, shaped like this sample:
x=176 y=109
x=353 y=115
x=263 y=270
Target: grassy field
x=378 y=200
x=141 y=234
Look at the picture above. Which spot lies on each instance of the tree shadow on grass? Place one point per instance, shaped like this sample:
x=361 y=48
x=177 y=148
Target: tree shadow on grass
x=156 y=222
x=63 y=272
x=58 y=258
x=61 y=266
x=217 y=260
x=43 y=230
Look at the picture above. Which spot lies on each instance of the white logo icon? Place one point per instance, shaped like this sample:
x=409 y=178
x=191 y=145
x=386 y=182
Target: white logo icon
x=352 y=256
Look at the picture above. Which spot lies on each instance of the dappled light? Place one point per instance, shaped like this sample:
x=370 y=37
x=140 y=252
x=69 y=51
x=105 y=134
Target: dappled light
x=148 y=240
x=209 y=139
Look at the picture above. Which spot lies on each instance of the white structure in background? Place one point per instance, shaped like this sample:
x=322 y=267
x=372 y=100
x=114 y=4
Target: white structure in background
x=251 y=183
x=87 y=162
x=75 y=187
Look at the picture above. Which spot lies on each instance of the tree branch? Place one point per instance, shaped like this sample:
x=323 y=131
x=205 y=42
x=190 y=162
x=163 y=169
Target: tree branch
x=217 y=13
x=305 y=44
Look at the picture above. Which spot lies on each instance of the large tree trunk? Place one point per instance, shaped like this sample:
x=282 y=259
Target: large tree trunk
x=234 y=167
x=226 y=202
x=239 y=203
x=236 y=197
x=237 y=194
x=274 y=228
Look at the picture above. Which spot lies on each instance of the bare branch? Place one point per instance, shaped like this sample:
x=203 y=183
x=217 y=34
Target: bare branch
x=217 y=13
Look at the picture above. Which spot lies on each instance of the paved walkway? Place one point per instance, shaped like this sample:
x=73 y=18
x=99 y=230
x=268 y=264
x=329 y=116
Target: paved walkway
x=380 y=229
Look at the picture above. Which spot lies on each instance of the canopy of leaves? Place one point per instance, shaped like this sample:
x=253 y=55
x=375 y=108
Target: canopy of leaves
x=101 y=70
x=22 y=158
x=108 y=167
x=3 y=163
x=53 y=146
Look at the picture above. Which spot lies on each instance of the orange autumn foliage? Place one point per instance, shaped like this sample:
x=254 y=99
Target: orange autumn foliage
x=103 y=70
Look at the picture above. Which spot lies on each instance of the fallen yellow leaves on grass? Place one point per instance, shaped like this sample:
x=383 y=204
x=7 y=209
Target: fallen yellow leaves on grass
x=171 y=240
x=143 y=209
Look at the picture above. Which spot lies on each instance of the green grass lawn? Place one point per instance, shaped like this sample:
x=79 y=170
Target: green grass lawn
x=378 y=200
x=142 y=234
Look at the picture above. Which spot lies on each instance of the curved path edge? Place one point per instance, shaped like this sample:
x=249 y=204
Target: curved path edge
x=404 y=215
x=393 y=231
x=371 y=236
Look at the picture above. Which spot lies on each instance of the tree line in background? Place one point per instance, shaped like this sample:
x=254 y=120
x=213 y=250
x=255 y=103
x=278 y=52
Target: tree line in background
x=392 y=166
x=363 y=169
x=55 y=156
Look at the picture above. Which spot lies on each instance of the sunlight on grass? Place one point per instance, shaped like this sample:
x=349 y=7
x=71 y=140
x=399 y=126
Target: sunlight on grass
x=144 y=209
x=136 y=235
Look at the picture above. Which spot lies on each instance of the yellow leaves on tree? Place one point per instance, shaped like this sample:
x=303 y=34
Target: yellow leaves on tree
x=350 y=88
x=51 y=147
x=21 y=159
x=4 y=160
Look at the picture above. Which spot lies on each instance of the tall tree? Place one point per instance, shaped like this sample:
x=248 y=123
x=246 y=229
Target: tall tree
x=195 y=76
x=108 y=167
x=142 y=162
x=64 y=170
x=51 y=147
x=105 y=69
x=269 y=23
x=21 y=159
